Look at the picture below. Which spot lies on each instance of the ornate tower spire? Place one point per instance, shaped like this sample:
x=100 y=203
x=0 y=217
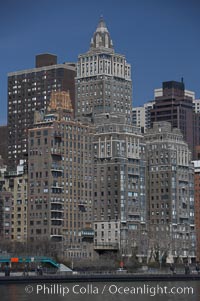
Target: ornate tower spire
x=100 y=71
x=101 y=38
x=60 y=104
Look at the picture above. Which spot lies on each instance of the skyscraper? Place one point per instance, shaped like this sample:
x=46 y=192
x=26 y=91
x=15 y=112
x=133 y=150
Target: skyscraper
x=4 y=143
x=60 y=178
x=103 y=82
x=29 y=90
x=170 y=192
x=197 y=205
x=175 y=105
x=104 y=93
x=119 y=188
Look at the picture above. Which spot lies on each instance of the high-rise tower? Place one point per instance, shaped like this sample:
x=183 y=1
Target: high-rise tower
x=104 y=93
x=103 y=82
x=60 y=178
x=174 y=104
x=29 y=91
x=170 y=192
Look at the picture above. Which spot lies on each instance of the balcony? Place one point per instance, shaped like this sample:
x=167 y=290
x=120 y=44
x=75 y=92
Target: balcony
x=59 y=210
x=82 y=208
x=57 y=185
x=57 y=201
x=57 y=237
x=56 y=222
x=56 y=188
x=56 y=168
x=10 y=174
x=134 y=217
x=106 y=246
x=57 y=218
x=56 y=151
x=135 y=174
x=56 y=215
x=87 y=233
x=58 y=135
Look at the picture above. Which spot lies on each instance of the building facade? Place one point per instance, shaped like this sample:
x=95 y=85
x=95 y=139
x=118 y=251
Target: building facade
x=60 y=179
x=174 y=105
x=104 y=94
x=15 y=184
x=103 y=82
x=197 y=206
x=20 y=204
x=4 y=143
x=141 y=116
x=170 y=193
x=196 y=105
x=29 y=90
x=119 y=188
x=6 y=202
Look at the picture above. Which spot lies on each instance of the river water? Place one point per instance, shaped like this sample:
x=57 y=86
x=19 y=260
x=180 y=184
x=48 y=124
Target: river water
x=126 y=291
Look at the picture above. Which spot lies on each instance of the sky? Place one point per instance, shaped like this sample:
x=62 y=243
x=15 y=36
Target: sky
x=160 y=38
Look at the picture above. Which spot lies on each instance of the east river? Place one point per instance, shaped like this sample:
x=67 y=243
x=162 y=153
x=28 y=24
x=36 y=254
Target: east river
x=96 y=291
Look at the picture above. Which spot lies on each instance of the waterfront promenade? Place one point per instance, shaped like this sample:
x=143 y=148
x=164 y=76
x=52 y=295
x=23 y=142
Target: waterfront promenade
x=94 y=277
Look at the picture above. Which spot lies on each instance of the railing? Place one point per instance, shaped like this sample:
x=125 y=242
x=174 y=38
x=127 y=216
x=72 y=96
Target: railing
x=28 y=259
x=106 y=246
x=87 y=233
x=58 y=135
x=57 y=209
x=57 y=186
x=56 y=151
x=57 y=201
x=55 y=167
